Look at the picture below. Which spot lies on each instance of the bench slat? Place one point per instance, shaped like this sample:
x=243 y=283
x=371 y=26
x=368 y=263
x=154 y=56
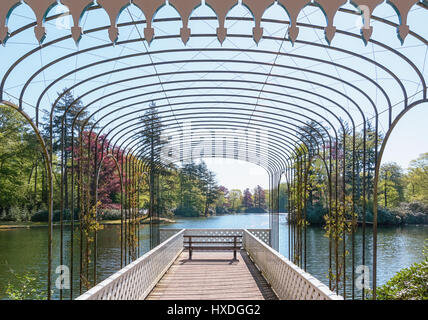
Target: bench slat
x=213 y=248
x=213 y=236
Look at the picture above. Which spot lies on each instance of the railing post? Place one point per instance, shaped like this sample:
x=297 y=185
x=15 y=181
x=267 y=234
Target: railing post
x=234 y=247
x=190 y=248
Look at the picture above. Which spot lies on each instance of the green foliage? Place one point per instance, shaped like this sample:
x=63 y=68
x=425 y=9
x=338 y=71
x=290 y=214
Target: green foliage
x=315 y=214
x=25 y=286
x=198 y=190
x=391 y=185
x=337 y=226
x=407 y=284
x=283 y=198
x=19 y=154
x=417 y=180
x=235 y=200
x=255 y=210
x=109 y=214
x=43 y=215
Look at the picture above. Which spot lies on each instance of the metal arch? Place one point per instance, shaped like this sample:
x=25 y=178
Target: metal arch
x=276 y=165
x=214 y=80
x=126 y=147
x=238 y=114
x=98 y=168
x=135 y=144
x=270 y=161
x=217 y=112
x=228 y=95
x=376 y=181
x=379 y=66
x=234 y=61
x=48 y=167
x=216 y=49
x=414 y=68
x=255 y=127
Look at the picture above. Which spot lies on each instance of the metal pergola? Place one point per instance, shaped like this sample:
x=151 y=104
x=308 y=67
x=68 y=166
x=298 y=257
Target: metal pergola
x=239 y=79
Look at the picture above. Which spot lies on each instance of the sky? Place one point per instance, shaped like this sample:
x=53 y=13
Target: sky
x=237 y=174
x=409 y=138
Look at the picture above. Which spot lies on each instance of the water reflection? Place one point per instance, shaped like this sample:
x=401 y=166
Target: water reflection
x=25 y=250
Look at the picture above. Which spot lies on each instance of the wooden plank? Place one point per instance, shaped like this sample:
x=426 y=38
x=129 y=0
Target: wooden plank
x=212 y=276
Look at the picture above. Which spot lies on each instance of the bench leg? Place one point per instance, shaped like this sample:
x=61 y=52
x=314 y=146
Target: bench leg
x=190 y=254
x=234 y=254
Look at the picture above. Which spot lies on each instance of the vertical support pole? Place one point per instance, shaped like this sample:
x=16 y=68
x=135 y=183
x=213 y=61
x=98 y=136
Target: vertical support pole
x=234 y=247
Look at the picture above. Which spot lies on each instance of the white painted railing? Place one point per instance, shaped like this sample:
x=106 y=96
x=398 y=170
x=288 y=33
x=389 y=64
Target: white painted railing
x=165 y=234
x=136 y=280
x=262 y=234
x=287 y=280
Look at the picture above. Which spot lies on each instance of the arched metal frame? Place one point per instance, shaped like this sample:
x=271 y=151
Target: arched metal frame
x=48 y=168
x=241 y=115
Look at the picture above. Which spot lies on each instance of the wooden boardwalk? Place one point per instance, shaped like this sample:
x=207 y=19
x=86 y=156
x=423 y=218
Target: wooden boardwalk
x=212 y=276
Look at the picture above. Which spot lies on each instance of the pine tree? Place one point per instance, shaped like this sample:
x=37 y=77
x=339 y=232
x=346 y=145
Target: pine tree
x=67 y=111
x=152 y=143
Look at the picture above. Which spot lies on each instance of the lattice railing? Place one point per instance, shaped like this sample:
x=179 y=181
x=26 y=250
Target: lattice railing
x=262 y=234
x=287 y=280
x=136 y=280
x=165 y=234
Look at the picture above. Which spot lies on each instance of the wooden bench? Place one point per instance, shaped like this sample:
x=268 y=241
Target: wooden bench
x=192 y=245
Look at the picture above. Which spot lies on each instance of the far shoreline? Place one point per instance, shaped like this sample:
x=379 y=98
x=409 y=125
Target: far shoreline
x=8 y=225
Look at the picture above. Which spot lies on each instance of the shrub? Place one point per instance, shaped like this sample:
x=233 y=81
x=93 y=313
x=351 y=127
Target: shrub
x=42 y=216
x=255 y=210
x=221 y=210
x=414 y=212
x=386 y=217
x=406 y=213
x=110 y=214
x=27 y=287
x=315 y=214
x=15 y=214
x=407 y=284
x=187 y=212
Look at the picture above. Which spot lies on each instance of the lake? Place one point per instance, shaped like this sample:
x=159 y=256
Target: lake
x=25 y=250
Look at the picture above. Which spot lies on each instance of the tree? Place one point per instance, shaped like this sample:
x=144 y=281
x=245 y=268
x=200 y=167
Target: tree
x=223 y=200
x=198 y=189
x=212 y=191
x=68 y=110
x=391 y=185
x=170 y=190
x=19 y=152
x=247 y=201
x=417 y=179
x=109 y=180
x=259 y=198
x=150 y=138
x=235 y=199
